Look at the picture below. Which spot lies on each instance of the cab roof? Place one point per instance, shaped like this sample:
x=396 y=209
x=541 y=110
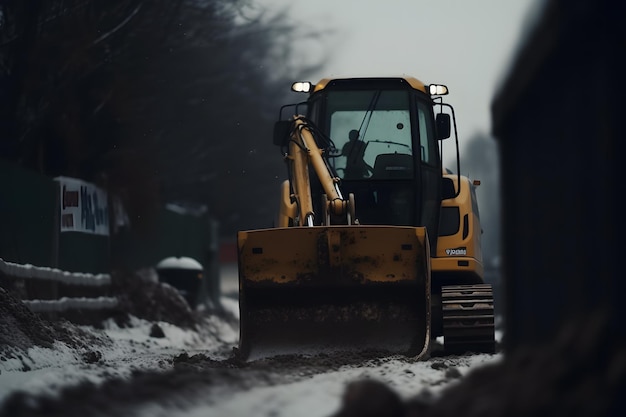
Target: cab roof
x=412 y=81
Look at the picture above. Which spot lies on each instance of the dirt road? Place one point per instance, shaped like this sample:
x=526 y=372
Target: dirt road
x=184 y=363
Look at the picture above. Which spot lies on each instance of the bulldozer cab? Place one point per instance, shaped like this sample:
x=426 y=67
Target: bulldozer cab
x=383 y=145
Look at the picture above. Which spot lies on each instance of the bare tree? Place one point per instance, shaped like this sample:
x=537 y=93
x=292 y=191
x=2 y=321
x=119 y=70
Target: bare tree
x=157 y=101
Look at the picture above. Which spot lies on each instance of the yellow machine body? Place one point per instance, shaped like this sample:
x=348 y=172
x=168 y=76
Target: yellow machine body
x=356 y=262
x=459 y=258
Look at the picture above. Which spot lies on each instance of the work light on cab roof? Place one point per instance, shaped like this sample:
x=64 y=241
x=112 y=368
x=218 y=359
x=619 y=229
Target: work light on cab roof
x=437 y=90
x=302 y=87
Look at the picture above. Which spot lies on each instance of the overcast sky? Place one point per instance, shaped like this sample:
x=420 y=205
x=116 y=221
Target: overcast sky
x=464 y=44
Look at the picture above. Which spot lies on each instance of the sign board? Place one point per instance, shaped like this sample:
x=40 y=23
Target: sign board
x=84 y=207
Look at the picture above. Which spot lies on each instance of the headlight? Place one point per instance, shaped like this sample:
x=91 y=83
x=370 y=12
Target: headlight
x=438 y=89
x=302 y=87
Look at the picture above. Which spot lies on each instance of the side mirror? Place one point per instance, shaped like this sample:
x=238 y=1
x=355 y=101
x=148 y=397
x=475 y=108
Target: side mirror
x=443 y=126
x=447 y=188
x=282 y=128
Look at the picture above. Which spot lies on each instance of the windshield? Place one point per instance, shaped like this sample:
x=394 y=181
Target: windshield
x=371 y=130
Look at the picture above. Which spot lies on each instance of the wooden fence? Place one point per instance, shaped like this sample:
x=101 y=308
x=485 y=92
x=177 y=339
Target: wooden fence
x=50 y=290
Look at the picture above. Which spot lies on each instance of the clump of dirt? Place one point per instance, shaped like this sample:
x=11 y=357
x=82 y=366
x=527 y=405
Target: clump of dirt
x=19 y=326
x=370 y=398
x=148 y=300
x=75 y=337
x=21 y=329
x=583 y=372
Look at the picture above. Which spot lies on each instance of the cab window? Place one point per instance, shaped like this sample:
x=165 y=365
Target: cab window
x=426 y=128
x=367 y=127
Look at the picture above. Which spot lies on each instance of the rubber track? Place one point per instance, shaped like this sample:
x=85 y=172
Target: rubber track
x=468 y=318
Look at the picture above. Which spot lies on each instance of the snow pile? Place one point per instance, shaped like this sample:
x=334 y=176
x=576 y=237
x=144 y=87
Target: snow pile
x=152 y=326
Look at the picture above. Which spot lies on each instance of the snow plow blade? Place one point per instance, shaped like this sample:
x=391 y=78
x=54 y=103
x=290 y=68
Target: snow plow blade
x=325 y=289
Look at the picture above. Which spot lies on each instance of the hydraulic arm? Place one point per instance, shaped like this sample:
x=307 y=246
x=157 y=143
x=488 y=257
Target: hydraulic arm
x=304 y=152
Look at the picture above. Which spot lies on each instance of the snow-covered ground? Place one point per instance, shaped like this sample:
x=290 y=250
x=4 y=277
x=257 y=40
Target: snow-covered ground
x=125 y=350
x=144 y=366
x=119 y=352
x=321 y=394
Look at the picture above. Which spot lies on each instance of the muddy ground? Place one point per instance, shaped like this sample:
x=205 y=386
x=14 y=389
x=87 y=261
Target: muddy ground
x=582 y=373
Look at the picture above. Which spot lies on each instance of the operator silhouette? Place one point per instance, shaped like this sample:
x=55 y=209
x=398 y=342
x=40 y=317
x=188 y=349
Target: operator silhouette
x=354 y=150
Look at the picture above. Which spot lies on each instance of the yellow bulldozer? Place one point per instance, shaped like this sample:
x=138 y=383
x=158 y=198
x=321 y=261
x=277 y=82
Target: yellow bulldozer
x=376 y=247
